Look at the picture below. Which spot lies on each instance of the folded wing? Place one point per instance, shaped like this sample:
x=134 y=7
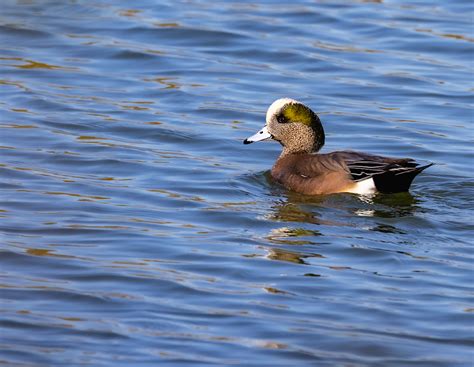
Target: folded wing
x=389 y=174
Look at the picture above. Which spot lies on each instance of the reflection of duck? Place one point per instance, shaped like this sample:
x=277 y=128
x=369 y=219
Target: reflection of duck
x=298 y=210
x=299 y=131
x=313 y=217
x=290 y=256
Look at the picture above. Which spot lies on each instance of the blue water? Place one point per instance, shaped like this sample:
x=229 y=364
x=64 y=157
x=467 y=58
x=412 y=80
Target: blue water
x=137 y=230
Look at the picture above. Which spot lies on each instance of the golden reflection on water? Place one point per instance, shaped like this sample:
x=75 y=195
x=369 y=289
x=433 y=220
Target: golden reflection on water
x=174 y=195
x=446 y=35
x=89 y=137
x=167 y=25
x=290 y=256
x=18 y=126
x=275 y=290
x=165 y=81
x=82 y=196
x=172 y=83
x=17 y=84
x=289 y=236
x=134 y=108
x=21 y=110
x=53 y=253
x=129 y=12
x=31 y=64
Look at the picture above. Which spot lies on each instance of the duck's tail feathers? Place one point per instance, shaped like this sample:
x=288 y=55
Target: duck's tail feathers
x=397 y=179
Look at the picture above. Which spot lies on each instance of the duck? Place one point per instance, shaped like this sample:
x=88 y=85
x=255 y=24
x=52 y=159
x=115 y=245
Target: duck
x=301 y=168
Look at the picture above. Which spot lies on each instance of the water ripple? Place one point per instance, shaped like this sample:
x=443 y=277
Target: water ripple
x=137 y=229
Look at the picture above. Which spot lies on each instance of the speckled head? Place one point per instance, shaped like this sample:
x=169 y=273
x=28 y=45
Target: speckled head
x=295 y=126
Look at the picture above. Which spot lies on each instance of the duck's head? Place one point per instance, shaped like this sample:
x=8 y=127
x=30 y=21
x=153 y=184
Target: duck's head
x=295 y=126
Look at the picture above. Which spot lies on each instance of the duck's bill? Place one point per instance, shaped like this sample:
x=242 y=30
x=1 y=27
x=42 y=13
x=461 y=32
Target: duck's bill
x=261 y=135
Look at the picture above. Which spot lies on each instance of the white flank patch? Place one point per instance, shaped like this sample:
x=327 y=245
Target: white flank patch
x=366 y=187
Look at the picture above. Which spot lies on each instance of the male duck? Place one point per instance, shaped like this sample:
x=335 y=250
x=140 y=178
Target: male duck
x=298 y=129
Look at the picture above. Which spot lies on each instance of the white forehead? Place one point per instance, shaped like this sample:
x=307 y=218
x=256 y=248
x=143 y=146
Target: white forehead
x=276 y=106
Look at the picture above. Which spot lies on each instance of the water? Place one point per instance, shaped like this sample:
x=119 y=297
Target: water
x=138 y=230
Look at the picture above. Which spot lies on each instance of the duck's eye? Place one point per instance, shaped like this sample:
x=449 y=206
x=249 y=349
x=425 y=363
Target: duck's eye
x=282 y=119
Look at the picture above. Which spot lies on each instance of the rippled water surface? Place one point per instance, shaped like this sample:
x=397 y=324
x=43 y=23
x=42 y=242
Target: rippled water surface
x=137 y=230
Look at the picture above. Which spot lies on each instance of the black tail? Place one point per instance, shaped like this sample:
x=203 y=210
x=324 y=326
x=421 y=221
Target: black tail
x=397 y=179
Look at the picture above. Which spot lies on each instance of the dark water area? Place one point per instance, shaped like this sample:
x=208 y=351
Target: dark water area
x=137 y=230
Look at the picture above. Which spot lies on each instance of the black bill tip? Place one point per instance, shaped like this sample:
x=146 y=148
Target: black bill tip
x=246 y=141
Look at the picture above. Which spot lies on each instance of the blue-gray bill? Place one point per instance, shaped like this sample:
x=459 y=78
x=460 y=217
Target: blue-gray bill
x=260 y=136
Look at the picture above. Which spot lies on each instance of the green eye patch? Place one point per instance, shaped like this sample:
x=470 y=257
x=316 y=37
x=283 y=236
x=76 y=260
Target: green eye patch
x=295 y=112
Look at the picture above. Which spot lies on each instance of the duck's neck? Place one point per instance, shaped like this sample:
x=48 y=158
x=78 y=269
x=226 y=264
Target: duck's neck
x=287 y=151
x=299 y=144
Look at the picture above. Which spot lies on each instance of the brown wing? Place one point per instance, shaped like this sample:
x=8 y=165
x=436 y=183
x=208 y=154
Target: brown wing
x=313 y=174
x=338 y=171
x=314 y=165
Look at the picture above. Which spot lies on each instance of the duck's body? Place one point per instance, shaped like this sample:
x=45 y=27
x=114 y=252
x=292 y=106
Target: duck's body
x=300 y=168
x=344 y=171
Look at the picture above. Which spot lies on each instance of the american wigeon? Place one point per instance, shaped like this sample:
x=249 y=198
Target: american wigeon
x=299 y=168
